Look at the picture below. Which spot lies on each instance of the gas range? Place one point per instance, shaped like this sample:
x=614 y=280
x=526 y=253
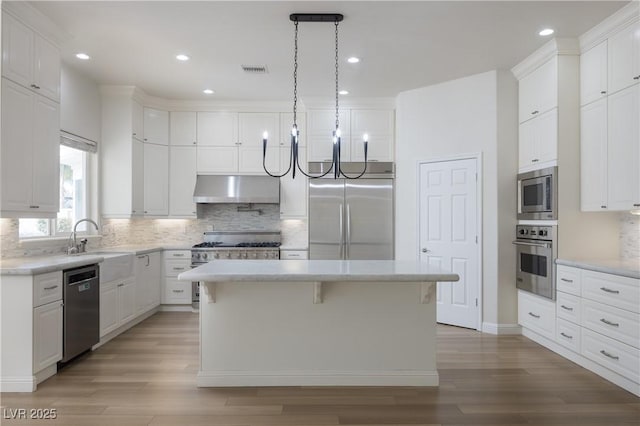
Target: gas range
x=224 y=245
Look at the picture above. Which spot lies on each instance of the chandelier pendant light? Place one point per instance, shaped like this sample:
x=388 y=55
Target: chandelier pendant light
x=294 y=162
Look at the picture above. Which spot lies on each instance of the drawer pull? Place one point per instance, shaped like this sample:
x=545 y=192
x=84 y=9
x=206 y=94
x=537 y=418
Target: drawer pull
x=566 y=280
x=566 y=335
x=608 y=290
x=178 y=255
x=120 y=285
x=52 y=287
x=534 y=315
x=613 y=324
x=178 y=291
x=566 y=307
x=178 y=269
x=607 y=354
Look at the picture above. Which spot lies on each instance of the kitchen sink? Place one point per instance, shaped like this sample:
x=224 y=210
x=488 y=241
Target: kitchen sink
x=115 y=266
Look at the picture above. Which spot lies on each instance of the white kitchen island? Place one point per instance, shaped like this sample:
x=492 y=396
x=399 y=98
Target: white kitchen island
x=317 y=322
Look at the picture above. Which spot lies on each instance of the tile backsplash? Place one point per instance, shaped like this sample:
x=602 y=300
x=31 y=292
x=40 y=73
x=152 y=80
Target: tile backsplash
x=629 y=236
x=180 y=232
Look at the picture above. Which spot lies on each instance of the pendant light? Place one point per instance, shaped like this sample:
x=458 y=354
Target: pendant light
x=336 y=137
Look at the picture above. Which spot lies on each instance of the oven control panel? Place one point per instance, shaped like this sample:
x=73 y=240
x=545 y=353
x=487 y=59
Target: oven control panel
x=534 y=232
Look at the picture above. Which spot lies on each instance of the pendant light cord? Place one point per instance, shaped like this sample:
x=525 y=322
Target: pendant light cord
x=295 y=76
x=337 y=116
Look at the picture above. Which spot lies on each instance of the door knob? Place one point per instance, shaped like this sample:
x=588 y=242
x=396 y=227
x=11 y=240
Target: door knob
x=424 y=250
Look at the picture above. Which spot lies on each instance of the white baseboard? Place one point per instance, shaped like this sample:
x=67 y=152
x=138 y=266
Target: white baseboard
x=176 y=308
x=124 y=327
x=18 y=384
x=317 y=378
x=501 y=329
x=601 y=371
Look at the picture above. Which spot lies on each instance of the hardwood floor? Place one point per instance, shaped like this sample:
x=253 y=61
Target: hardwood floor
x=146 y=376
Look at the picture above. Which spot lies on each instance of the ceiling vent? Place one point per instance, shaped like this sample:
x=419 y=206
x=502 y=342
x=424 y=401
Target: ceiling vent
x=255 y=69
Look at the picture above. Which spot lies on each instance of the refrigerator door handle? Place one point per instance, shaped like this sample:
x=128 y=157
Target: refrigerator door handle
x=341 y=233
x=348 y=242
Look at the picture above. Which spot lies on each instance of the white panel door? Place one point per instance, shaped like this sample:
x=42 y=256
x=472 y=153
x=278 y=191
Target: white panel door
x=250 y=159
x=251 y=126
x=217 y=128
x=156 y=126
x=47 y=68
x=182 y=180
x=286 y=123
x=623 y=158
x=17 y=51
x=46 y=155
x=217 y=159
x=108 y=307
x=137 y=186
x=546 y=135
x=379 y=125
x=138 y=119
x=593 y=156
x=593 y=74
x=47 y=335
x=182 y=128
x=126 y=300
x=156 y=180
x=624 y=58
x=448 y=232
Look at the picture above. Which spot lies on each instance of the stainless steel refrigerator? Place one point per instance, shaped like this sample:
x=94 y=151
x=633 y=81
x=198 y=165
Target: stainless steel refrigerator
x=352 y=218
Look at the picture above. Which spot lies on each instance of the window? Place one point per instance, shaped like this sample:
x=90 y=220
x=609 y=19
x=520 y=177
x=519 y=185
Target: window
x=74 y=198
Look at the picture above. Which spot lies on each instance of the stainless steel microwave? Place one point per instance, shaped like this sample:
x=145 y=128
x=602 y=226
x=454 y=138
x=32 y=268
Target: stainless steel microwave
x=538 y=194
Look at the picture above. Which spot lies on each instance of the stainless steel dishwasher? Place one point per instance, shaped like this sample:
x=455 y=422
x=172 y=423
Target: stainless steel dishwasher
x=81 y=310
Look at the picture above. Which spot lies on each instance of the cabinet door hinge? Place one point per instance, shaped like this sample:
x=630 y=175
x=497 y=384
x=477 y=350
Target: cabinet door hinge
x=476 y=301
x=476 y=239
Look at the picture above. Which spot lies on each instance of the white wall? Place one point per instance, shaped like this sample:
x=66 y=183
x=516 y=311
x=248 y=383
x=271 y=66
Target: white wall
x=79 y=104
x=476 y=114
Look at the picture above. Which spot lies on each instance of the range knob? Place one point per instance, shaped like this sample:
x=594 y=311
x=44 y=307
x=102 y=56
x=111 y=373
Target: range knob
x=205 y=256
x=523 y=232
x=216 y=255
x=196 y=255
x=266 y=255
x=228 y=255
x=542 y=232
x=244 y=255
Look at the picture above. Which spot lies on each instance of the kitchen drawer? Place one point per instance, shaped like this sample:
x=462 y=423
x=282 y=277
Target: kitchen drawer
x=172 y=268
x=568 y=280
x=613 y=322
x=178 y=254
x=616 y=356
x=568 y=307
x=537 y=314
x=47 y=288
x=294 y=254
x=614 y=290
x=177 y=292
x=568 y=335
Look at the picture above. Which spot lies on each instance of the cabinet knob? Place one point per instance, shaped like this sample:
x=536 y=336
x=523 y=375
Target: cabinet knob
x=535 y=160
x=603 y=92
x=35 y=86
x=145 y=139
x=194 y=142
x=636 y=205
x=534 y=112
x=637 y=77
x=145 y=212
x=603 y=207
x=425 y=250
x=34 y=207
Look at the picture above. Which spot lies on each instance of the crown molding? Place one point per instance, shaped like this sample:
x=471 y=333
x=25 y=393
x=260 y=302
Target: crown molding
x=556 y=46
x=37 y=21
x=623 y=17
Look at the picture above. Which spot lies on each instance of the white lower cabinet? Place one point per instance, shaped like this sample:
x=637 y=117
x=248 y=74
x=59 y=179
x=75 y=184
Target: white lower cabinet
x=294 y=254
x=598 y=319
x=537 y=314
x=47 y=335
x=117 y=304
x=147 y=291
x=176 y=292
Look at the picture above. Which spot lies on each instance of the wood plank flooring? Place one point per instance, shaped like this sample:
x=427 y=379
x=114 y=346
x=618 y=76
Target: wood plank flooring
x=146 y=376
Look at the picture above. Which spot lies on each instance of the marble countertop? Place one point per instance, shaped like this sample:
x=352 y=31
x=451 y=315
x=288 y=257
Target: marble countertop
x=625 y=268
x=317 y=270
x=42 y=264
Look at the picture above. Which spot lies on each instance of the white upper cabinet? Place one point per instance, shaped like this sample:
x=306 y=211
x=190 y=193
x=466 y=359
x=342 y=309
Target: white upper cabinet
x=538 y=91
x=182 y=180
x=29 y=59
x=30 y=153
x=182 y=128
x=593 y=156
x=624 y=58
x=156 y=180
x=137 y=178
x=286 y=124
x=217 y=128
x=623 y=157
x=538 y=141
x=252 y=125
x=156 y=126
x=320 y=127
x=379 y=126
x=138 y=120
x=593 y=74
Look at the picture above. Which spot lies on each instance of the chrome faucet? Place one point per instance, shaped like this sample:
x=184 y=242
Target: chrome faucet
x=73 y=247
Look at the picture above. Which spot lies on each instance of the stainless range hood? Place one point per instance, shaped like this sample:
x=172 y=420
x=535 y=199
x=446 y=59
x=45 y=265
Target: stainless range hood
x=236 y=189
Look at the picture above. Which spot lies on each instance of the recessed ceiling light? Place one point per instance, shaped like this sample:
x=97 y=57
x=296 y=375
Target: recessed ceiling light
x=353 y=60
x=208 y=91
x=343 y=92
x=546 y=32
x=182 y=57
x=83 y=56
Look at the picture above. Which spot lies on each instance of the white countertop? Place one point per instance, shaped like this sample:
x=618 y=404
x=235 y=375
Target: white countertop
x=625 y=268
x=317 y=270
x=33 y=265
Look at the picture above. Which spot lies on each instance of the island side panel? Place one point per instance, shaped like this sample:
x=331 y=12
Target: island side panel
x=272 y=334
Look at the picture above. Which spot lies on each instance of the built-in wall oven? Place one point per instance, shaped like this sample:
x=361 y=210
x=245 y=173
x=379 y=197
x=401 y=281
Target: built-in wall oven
x=536 y=251
x=538 y=194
